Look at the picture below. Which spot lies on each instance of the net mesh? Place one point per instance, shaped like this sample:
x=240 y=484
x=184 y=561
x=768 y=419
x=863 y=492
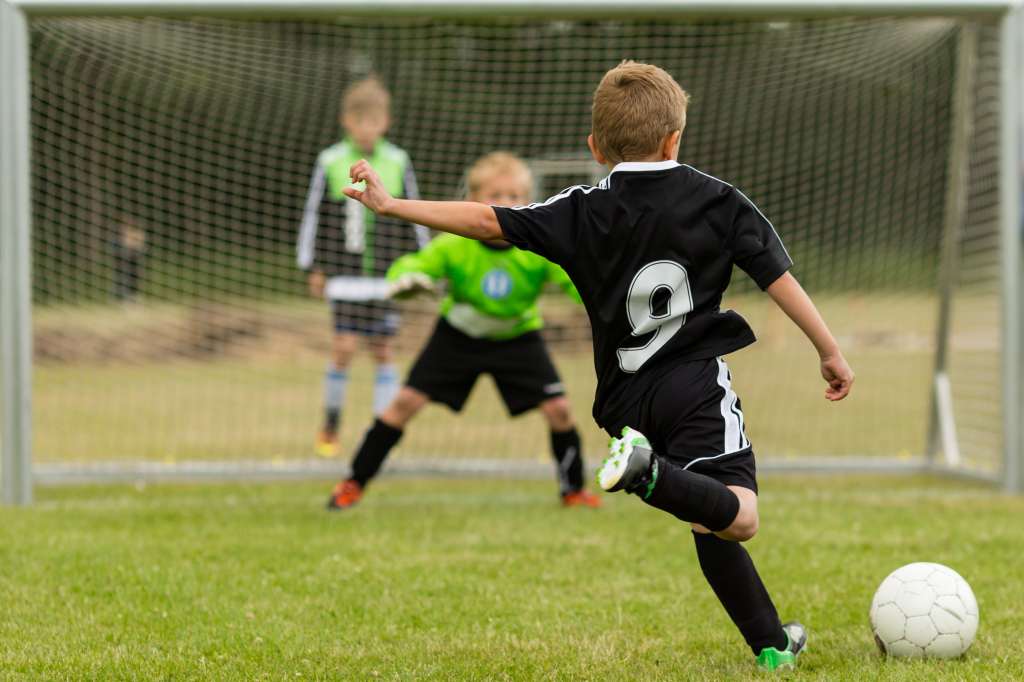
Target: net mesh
x=172 y=160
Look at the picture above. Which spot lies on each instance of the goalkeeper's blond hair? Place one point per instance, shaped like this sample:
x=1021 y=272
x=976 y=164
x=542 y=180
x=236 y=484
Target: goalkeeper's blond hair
x=635 y=107
x=497 y=163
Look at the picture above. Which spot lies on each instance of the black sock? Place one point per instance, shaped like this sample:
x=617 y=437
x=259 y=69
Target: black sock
x=565 y=446
x=374 y=449
x=332 y=420
x=731 y=574
x=694 y=498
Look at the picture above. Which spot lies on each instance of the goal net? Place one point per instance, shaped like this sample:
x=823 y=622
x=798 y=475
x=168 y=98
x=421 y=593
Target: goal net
x=171 y=161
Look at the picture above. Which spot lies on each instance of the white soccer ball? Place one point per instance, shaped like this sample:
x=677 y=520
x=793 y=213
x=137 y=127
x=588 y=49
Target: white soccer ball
x=924 y=609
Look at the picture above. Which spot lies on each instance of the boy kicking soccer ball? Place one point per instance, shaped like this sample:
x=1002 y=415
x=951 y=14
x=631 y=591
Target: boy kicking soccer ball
x=489 y=324
x=651 y=250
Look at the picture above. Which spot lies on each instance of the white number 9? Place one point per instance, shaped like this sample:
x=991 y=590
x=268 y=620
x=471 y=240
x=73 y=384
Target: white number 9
x=649 y=280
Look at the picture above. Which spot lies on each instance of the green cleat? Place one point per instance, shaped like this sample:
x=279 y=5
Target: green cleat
x=630 y=465
x=771 y=658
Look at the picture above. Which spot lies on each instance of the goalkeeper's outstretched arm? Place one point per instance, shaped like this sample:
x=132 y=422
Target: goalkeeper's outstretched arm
x=464 y=218
x=417 y=272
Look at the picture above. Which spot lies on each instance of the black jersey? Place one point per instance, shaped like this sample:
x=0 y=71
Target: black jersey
x=343 y=239
x=651 y=250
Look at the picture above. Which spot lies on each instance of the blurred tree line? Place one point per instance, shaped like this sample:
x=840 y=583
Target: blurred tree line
x=205 y=131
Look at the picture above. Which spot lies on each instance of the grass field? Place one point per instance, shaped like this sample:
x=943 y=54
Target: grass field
x=475 y=581
x=131 y=386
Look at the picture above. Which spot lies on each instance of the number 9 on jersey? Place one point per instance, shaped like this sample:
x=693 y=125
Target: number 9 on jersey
x=644 y=319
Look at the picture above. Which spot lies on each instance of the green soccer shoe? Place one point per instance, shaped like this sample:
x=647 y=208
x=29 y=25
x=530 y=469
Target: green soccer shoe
x=771 y=659
x=630 y=465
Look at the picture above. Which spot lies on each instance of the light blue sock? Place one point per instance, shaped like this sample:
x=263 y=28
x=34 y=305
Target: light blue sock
x=385 y=388
x=335 y=382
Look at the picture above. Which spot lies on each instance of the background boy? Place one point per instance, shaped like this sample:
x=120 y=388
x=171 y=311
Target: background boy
x=651 y=250
x=489 y=324
x=129 y=259
x=347 y=250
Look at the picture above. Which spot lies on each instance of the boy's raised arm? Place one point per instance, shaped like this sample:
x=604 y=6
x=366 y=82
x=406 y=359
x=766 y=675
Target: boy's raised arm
x=464 y=218
x=794 y=301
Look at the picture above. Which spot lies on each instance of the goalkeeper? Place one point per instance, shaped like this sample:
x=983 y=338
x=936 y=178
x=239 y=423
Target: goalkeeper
x=489 y=324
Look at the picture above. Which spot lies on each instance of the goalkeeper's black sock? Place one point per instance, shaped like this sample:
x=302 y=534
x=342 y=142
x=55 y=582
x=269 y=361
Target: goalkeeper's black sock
x=692 y=497
x=731 y=574
x=372 y=452
x=565 y=446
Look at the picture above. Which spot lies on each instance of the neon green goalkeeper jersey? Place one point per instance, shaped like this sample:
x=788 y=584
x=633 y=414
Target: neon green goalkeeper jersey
x=492 y=291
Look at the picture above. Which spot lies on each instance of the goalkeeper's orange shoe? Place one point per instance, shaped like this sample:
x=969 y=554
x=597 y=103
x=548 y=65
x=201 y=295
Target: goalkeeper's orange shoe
x=327 y=444
x=581 y=498
x=346 y=494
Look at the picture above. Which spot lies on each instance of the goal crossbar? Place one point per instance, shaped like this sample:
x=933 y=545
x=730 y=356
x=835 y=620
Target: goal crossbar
x=732 y=8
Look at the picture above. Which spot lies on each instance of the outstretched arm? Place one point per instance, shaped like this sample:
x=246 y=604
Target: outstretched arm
x=794 y=301
x=464 y=218
x=417 y=273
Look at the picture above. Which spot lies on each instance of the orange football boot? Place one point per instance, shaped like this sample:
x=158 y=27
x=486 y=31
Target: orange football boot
x=581 y=498
x=346 y=494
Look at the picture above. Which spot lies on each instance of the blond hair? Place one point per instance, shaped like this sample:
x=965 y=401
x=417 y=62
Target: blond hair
x=366 y=97
x=635 y=106
x=497 y=163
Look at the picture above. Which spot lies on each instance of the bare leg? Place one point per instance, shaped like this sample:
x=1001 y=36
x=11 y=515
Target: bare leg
x=404 y=407
x=745 y=525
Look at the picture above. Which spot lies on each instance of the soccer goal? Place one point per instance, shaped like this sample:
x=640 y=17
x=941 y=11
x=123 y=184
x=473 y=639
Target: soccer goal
x=155 y=161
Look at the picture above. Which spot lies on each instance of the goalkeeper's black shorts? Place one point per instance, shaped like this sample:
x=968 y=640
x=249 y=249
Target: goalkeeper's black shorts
x=448 y=366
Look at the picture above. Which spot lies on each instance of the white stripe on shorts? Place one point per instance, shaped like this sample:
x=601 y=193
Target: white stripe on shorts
x=734 y=439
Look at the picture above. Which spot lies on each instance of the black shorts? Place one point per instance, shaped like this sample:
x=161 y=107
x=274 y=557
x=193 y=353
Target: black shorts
x=693 y=418
x=368 y=318
x=450 y=363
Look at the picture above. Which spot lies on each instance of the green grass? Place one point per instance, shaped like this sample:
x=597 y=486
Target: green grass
x=234 y=409
x=469 y=580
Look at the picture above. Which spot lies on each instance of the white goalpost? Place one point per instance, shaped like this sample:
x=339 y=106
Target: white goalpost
x=155 y=157
x=1011 y=189
x=15 y=261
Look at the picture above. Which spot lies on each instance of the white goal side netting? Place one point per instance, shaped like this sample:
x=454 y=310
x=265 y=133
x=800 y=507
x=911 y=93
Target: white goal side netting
x=172 y=159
